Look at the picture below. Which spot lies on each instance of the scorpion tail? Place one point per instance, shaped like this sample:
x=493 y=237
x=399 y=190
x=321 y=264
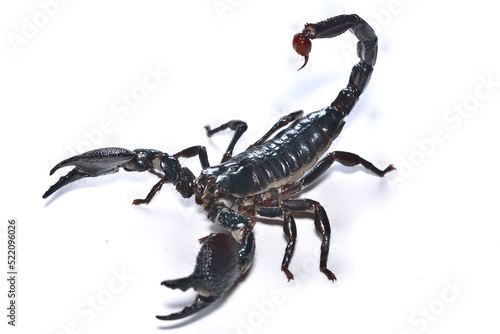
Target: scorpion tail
x=366 y=49
x=221 y=262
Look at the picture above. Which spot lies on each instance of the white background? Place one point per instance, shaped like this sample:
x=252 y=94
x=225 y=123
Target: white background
x=414 y=252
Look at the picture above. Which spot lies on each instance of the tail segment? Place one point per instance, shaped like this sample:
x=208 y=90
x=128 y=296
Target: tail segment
x=367 y=52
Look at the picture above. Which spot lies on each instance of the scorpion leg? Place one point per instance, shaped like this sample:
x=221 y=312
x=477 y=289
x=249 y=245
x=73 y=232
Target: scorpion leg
x=190 y=152
x=156 y=188
x=239 y=127
x=321 y=223
x=186 y=176
x=220 y=263
x=279 y=124
x=290 y=230
x=344 y=158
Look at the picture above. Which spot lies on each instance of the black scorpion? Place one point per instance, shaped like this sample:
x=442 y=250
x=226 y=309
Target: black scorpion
x=261 y=181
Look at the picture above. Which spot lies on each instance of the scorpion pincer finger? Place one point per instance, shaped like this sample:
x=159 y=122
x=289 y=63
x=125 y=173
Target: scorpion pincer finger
x=200 y=303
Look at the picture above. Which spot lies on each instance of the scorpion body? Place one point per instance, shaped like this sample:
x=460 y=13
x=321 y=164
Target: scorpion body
x=262 y=181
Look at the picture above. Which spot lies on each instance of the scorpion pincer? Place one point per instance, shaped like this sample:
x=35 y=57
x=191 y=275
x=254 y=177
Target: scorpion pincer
x=262 y=181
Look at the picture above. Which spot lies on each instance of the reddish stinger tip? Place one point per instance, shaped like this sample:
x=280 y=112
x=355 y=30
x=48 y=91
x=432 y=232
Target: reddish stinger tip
x=302 y=44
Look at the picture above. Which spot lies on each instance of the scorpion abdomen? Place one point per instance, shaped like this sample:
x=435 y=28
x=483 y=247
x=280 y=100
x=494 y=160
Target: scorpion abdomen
x=282 y=159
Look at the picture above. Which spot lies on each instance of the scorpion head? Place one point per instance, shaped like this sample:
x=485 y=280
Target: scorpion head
x=235 y=178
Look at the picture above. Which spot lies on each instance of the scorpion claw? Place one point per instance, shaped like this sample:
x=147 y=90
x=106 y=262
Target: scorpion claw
x=329 y=274
x=288 y=274
x=220 y=263
x=92 y=163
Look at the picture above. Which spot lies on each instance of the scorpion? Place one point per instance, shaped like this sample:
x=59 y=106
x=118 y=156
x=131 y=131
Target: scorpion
x=262 y=181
